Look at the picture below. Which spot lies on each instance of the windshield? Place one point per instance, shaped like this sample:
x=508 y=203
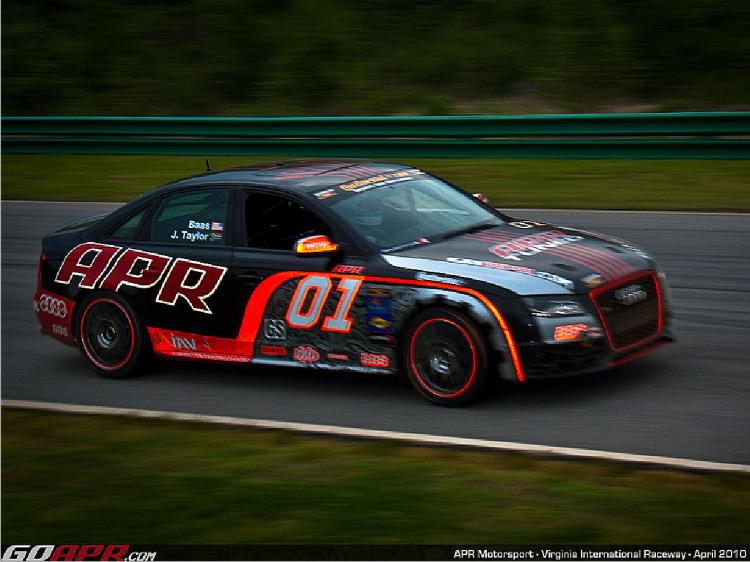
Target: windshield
x=417 y=209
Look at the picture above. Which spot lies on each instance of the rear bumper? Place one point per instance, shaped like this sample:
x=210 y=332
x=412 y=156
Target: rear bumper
x=55 y=314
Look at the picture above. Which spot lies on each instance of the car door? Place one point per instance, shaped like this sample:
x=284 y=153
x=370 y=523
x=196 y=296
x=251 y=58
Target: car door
x=184 y=248
x=299 y=310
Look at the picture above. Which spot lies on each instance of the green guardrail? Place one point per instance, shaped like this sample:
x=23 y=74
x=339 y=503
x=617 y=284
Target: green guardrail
x=639 y=135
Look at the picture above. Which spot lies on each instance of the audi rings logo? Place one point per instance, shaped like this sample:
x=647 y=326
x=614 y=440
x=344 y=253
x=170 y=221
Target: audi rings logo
x=630 y=295
x=52 y=305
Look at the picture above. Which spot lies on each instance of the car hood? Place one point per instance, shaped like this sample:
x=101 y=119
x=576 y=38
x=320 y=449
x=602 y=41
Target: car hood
x=527 y=258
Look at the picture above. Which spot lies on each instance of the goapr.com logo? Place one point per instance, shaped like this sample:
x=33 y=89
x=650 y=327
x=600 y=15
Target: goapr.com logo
x=40 y=552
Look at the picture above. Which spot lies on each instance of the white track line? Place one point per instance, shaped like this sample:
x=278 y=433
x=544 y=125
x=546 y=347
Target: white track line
x=418 y=438
x=509 y=209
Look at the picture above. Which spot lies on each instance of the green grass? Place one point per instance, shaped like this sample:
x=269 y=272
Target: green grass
x=70 y=478
x=717 y=185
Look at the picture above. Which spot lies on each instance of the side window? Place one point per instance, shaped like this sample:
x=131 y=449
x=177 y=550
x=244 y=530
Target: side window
x=274 y=222
x=129 y=229
x=193 y=218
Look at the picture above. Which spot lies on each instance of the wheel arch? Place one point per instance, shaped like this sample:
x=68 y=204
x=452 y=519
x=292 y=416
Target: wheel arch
x=83 y=294
x=474 y=309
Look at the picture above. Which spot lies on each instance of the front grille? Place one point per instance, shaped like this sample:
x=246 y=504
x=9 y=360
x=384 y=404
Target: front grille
x=629 y=324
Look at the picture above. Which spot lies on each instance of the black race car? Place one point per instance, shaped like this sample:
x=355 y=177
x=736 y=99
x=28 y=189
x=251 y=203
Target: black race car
x=358 y=266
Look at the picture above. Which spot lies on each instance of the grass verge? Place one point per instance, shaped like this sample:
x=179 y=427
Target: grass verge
x=713 y=185
x=108 y=479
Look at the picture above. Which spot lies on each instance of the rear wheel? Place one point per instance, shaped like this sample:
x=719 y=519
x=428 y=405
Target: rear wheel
x=110 y=335
x=445 y=357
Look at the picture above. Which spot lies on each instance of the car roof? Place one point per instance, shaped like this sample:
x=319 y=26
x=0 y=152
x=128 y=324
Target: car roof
x=302 y=175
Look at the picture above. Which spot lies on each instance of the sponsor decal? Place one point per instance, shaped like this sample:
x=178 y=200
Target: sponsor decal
x=525 y=224
x=338 y=356
x=569 y=331
x=51 y=305
x=40 y=552
x=593 y=280
x=325 y=194
x=379 y=323
x=350 y=269
x=562 y=281
x=183 y=343
x=274 y=329
x=276 y=350
x=424 y=276
x=630 y=295
x=192 y=281
x=197 y=346
x=211 y=356
x=306 y=354
x=532 y=245
x=378 y=304
x=374 y=360
x=380 y=180
x=59 y=330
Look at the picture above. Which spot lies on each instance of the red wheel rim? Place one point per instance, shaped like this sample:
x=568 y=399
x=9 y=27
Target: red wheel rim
x=108 y=333
x=443 y=356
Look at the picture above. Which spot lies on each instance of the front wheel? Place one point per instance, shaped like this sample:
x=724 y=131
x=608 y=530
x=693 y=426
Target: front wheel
x=445 y=357
x=110 y=335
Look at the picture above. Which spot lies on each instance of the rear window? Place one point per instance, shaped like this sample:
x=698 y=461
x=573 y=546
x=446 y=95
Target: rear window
x=192 y=218
x=129 y=229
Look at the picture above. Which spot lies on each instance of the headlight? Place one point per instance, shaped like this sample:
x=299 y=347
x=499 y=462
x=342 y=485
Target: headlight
x=547 y=307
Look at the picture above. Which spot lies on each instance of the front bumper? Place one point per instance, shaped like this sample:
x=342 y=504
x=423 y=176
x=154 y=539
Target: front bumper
x=608 y=334
x=548 y=361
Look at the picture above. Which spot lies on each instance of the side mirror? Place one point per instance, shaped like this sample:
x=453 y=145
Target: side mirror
x=482 y=197
x=315 y=246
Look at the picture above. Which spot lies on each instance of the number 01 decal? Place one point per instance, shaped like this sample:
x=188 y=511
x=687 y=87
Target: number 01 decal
x=310 y=297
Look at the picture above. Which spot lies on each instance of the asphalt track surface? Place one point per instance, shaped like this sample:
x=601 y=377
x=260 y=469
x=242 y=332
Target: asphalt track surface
x=690 y=399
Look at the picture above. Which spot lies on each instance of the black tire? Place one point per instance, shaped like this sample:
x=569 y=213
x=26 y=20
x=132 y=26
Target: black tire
x=445 y=357
x=111 y=337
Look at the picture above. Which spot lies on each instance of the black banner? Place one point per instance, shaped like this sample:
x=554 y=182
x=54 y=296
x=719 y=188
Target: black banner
x=556 y=553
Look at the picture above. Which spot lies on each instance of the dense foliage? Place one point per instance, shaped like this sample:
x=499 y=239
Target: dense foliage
x=219 y=57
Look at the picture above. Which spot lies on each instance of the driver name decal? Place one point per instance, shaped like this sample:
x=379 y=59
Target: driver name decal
x=193 y=282
x=380 y=180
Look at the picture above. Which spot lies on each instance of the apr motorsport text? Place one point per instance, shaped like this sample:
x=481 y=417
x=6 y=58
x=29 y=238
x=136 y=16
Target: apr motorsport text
x=653 y=552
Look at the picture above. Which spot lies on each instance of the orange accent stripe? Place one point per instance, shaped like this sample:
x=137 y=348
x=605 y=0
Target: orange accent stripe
x=256 y=306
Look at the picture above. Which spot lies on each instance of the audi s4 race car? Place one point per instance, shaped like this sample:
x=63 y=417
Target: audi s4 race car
x=358 y=266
